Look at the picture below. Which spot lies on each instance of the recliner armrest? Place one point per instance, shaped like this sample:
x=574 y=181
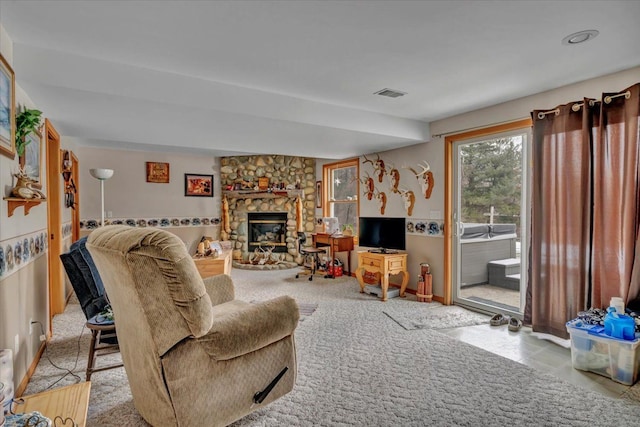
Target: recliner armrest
x=220 y=288
x=251 y=328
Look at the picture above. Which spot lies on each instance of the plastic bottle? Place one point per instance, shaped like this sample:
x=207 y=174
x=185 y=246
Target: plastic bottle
x=618 y=304
x=619 y=325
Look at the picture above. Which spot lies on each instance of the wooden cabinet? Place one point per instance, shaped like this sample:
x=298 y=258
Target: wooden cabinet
x=384 y=264
x=209 y=266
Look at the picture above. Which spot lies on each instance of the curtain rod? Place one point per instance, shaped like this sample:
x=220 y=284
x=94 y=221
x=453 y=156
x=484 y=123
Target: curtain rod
x=576 y=107
x=453 y=132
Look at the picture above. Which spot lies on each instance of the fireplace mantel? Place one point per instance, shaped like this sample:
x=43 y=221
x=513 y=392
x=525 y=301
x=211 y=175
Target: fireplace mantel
x=262 y=194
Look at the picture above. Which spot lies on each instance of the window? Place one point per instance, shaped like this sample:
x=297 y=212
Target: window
x=341 y=189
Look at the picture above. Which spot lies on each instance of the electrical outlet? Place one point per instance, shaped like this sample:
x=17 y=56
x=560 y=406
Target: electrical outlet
x=109 y=214
x=16 y=344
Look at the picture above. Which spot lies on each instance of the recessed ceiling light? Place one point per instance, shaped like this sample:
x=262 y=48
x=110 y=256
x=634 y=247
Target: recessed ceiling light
x=580 y=37
x=391 y=93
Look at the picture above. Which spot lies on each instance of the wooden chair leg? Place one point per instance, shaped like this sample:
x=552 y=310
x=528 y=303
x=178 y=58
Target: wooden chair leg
x=92 y=353
x=98 y=348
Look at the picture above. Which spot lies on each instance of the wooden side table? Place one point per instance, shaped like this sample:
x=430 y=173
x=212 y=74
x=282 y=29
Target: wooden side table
x=384 y=264
x=209 y=266
x=67 y=402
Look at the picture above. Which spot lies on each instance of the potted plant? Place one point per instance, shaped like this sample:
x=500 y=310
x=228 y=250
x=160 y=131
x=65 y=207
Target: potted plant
x=26 y=122
x=347 y=229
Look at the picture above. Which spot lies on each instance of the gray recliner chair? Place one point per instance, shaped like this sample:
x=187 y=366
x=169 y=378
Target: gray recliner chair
x=193 y=354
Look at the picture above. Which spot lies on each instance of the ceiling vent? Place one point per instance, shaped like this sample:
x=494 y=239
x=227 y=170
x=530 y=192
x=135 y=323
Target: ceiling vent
x=390 y=93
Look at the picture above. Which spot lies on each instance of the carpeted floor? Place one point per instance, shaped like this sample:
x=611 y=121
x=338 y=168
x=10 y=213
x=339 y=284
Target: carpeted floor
x=358 y=367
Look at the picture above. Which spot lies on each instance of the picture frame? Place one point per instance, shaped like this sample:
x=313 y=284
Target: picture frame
x=158 y=172
x=31 y=160
x=318 y=194
x=196 y=185
x=263 y=183
x=7 y=109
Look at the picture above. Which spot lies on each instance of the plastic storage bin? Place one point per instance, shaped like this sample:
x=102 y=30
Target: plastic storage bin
x=592 y=350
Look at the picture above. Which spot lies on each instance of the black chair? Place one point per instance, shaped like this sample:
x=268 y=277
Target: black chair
x=311 y=257
x=87 y=285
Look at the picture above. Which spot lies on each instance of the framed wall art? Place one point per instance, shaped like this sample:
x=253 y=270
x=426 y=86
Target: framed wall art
x=7 y=109
x=158 y=172
x=31 y=160
x=198 y=185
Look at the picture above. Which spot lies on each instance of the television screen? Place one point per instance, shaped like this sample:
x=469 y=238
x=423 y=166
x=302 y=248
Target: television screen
x=382 y=233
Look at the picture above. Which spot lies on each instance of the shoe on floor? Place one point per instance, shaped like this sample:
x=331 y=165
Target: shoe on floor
x=499 y=319
x=515 y=324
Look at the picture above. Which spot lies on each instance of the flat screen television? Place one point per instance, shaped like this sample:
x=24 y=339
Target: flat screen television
x=382 y=234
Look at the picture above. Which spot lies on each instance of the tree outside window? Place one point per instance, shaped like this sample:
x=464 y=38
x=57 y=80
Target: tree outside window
x=492 y=181
x=341 y=200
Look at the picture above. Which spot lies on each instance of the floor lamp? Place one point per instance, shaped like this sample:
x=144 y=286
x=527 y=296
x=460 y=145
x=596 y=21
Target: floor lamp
x=102 y=175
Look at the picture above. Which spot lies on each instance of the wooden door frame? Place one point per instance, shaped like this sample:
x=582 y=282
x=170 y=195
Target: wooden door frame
x=448 y=191
x=54 y=222
x=75 y=212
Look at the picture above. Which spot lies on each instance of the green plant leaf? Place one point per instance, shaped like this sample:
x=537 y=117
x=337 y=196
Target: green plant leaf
x=26 y=122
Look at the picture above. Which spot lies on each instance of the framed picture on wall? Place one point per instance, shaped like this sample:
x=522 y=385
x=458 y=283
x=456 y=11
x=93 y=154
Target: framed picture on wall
x=198 y=185
x=31 y=160
x=7 y=109
x=158 y=172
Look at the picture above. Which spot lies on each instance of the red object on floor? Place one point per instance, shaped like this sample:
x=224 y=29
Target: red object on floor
x=370 y=278
x=334 y=270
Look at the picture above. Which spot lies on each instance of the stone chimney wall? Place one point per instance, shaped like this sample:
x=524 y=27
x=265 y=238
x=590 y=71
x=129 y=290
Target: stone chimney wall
x=239 y=178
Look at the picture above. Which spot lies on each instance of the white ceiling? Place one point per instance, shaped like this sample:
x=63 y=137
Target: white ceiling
x=298 y=77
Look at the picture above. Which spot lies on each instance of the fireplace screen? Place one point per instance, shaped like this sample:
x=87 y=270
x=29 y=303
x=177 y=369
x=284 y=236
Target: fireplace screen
x=267 y=229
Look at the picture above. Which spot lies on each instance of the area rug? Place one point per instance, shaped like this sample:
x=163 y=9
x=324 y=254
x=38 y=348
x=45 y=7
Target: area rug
x=306 y=309
x=435 y=317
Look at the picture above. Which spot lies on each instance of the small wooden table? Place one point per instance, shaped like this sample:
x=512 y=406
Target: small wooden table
x=384 y=264
x=209 y=266
x=67 y=402
x=336 y=244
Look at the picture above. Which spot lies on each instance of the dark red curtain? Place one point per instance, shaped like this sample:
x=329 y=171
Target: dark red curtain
x=585 y=208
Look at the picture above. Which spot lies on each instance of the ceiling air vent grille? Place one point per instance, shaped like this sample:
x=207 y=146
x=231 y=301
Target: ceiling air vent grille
x=390 y=93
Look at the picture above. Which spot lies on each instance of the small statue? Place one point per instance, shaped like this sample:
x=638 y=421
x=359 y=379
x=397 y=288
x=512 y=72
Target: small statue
x=23 y=188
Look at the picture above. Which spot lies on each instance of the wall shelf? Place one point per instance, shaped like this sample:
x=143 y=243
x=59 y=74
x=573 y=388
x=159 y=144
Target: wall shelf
x=15 y=202
x=262 y=194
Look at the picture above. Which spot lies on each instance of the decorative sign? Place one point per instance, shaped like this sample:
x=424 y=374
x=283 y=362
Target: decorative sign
x=158 y=172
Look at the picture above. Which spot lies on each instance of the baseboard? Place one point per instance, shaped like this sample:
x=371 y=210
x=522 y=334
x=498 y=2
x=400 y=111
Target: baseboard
x=27 y=377
x=413 y=292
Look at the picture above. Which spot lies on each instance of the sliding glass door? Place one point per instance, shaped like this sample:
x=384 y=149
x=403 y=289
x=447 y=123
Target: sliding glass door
x=490 y=222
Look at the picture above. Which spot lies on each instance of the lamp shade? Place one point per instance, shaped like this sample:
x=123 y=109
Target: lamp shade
x=101 y=174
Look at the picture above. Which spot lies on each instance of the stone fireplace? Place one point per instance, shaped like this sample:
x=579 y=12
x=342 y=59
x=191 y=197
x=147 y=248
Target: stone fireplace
x=267 y=229
x=287 y=179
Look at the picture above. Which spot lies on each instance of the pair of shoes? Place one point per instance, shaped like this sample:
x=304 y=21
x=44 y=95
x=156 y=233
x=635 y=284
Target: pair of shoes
x=515 y=324
x=499 y=320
